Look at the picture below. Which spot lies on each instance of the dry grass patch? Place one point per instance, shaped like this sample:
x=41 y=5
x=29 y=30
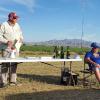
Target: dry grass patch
x=42 y=82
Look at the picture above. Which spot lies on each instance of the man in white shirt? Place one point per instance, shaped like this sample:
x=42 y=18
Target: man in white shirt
x=10 y=38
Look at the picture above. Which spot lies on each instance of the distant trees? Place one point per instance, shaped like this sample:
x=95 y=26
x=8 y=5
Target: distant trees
x=56 y=51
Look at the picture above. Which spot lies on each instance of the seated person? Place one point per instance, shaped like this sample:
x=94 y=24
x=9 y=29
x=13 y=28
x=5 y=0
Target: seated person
x=93 y=59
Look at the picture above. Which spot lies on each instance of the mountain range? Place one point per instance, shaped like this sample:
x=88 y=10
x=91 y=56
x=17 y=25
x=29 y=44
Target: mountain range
x=64 y=42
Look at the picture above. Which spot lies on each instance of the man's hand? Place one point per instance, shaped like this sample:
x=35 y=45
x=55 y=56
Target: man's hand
x=97 y=65
x=10 y=44
x=21 y=40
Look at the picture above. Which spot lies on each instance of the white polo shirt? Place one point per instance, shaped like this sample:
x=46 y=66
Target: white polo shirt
x=10 y=33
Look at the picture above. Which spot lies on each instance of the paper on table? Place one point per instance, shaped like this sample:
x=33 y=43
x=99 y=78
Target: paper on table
x=76 y=57
x=46 y=57
x=32 y=57
x=18 y=45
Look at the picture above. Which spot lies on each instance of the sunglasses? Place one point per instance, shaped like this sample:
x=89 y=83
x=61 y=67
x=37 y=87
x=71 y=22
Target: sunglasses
x=15 y=18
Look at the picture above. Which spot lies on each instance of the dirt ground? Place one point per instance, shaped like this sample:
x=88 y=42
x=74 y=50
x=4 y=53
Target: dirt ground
x=42 y=82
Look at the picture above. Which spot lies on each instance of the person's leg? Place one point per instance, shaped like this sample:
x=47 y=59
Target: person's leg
x=4 y=72
x=0 y=75
x=97 y=73
x=13 y=72
x=4 y=68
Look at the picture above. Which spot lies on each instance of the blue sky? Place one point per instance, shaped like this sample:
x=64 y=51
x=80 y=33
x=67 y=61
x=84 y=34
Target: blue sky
x=43 y=20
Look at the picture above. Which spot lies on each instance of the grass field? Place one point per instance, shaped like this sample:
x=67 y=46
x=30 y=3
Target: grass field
x=50 y=49
x=42 y=82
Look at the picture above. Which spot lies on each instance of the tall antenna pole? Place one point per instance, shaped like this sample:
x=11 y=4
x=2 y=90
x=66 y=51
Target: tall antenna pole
x=82 y=34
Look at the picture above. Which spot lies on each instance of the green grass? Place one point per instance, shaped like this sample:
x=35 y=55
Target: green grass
x=37 y=48
x=50 y=49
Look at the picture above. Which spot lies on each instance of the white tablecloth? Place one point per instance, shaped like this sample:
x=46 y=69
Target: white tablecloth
x=36 y=59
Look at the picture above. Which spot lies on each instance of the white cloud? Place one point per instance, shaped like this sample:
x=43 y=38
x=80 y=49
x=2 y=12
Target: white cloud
x=4 y=9
x=2 y=18
x=30 y=4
